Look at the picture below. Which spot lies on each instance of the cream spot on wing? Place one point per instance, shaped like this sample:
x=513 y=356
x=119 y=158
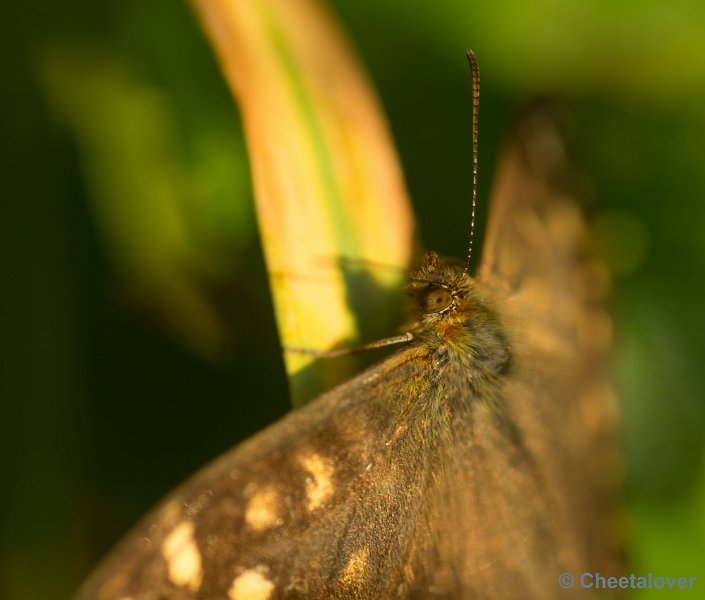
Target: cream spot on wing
x=319 y=486
x=261 y=511
x=182 y=557
x=251 y=585
x=354 y=571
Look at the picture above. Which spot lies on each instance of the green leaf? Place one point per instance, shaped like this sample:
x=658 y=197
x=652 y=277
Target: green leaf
x=332 y=207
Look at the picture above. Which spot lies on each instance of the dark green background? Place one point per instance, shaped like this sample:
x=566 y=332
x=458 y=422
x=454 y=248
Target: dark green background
x=111 y=396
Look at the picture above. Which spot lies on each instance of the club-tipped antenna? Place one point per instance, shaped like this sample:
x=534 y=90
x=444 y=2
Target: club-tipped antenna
x=475 y=72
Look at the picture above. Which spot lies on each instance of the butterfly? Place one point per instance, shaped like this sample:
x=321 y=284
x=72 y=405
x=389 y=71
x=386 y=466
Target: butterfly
x=475 y=462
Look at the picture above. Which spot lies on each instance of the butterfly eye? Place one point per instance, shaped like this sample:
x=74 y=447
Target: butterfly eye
x=436 y=300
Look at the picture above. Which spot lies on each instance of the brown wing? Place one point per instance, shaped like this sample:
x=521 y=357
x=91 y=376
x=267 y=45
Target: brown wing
x=542 y=491
x=328 y=502
x=413 y=480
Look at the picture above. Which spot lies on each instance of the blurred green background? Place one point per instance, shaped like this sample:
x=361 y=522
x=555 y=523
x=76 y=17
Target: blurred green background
x=137 y=332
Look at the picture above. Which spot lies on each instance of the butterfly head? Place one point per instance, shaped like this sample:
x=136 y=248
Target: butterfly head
x=439 y=288
x=453 y=319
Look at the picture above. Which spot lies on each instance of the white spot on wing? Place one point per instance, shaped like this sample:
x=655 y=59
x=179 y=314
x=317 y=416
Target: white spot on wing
x=182 y=557
x=251 y=585
x=354 y=571
x=261 y=511
x=319 y=486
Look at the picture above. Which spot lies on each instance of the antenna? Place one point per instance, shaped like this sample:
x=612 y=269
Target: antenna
x=475 y=72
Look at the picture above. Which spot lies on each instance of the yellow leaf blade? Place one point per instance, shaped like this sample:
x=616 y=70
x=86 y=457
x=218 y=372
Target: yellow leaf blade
x=327 y=182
